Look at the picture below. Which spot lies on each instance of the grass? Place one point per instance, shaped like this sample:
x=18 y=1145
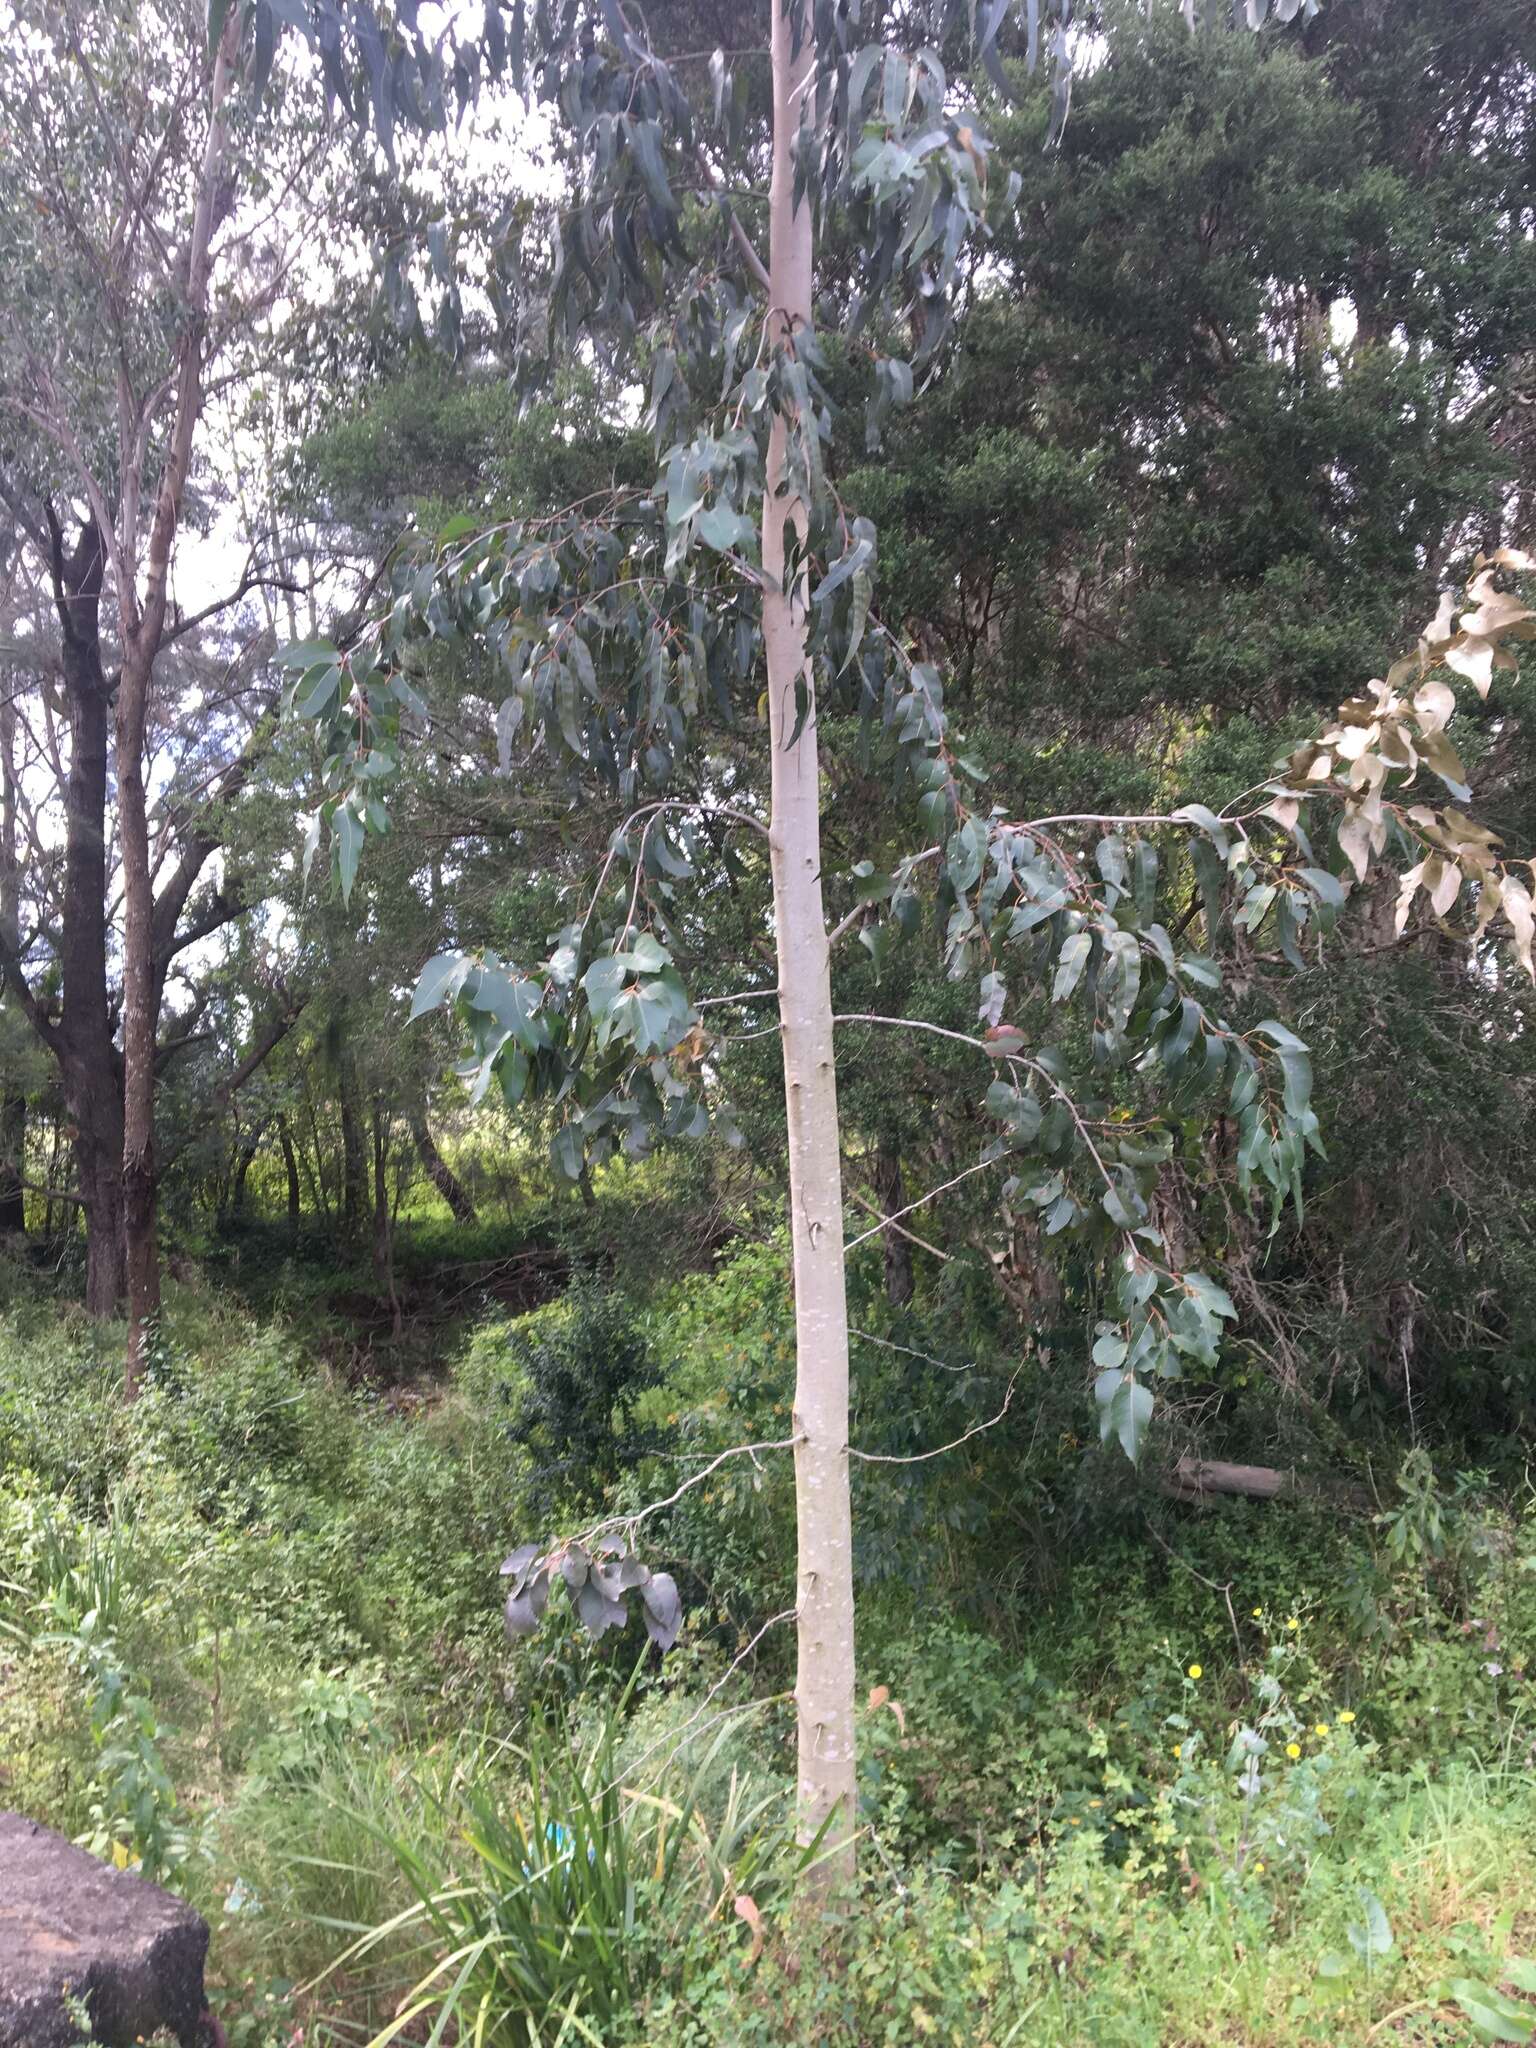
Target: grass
x=375 y=1801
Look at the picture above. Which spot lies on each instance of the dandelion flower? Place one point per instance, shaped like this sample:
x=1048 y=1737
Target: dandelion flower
x=1346 y=1717
x=1073 y=1821
x=1178 y=1750
x=1095 y=1802
x=1321 y=1728
x=1293 y=1750
x=1258 y=1614
x=1196 y=1670
x=1294 y=1622
x=1258 y=1870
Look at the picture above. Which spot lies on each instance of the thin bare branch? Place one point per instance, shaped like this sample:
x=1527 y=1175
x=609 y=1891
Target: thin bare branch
x=921 y=1457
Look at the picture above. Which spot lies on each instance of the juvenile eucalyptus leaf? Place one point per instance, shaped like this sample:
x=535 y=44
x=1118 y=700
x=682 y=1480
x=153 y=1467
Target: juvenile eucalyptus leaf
x=524 y=1608
x=597 y=1611
x=1070 y=966
x=663 y=1609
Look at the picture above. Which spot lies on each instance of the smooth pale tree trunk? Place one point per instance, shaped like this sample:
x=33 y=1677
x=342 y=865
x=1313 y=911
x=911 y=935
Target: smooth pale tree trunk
x=824 y=1682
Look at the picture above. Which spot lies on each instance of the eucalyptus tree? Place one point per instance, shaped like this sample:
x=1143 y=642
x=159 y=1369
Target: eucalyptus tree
x=144 y=265
x=638 y=637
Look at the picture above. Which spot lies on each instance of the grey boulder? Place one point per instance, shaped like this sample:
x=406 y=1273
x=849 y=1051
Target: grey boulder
x=72 y=1927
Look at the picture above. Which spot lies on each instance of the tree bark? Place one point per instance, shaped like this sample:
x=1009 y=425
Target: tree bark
x=383 y=1221
x=13 y=1152
x=13 y=1100
x=89 y=1067
x=354 y=1161
x=243 y=1163
x=889 y=1193
x=824 y=1683
x=439 y=1172
x=1194 y=1480
x=291 y=1168
x=143 y=634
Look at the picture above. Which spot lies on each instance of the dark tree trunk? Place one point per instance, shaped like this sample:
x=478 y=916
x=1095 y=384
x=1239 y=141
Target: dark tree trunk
x=383 y=1222
x=890 y=1194
x=13 y=1101
x=244 y=1160
x=89 y=1065
x=439 y=1172
x=354 y=1162
x=319 y=1192
x=13 y=1152
x=291 y=1168
x=99 y=1168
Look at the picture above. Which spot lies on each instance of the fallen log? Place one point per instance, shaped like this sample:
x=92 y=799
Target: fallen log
x=1194 y=1480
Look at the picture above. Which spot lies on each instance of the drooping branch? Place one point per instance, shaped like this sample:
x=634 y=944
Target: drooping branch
x=220 y=1097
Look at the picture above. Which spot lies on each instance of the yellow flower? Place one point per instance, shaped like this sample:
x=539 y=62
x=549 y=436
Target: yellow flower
x=1095 y=1802
x=1195 y=1670
x=1258 y=1614
x=1346 y=1717
x=1293 y=1750
x=1293 y=1622
x=1073 y=1821
x=1177 y=1750
x=1321 y=1728
x=1258 y=1870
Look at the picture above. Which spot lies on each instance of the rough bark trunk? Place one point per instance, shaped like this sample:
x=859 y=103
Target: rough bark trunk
x=89 y=1068
x=824 y=1683
x=888 y=1187
x=439 y=1172
x=13 y=1101
x=140 y=1025
x=13 y=1152
x=354 y=1161
x=383 y=1221
x=291 y=1168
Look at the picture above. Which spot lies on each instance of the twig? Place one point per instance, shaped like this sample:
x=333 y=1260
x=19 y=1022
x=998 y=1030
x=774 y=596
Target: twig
x=846 y=924
x=1215 y=1585
x=920 y=1457
x=746 y=995
x=688 y=1727
x=890 y=1344
x=655 y=1507
x=1007 y=1053
x=932 y=1195
x=889 y=1223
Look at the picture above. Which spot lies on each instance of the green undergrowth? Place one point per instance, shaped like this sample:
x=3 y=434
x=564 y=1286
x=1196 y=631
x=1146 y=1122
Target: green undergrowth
x=1130 y=1773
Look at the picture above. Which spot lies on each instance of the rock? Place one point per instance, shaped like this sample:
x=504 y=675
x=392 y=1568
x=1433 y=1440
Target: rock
x=72 y=1926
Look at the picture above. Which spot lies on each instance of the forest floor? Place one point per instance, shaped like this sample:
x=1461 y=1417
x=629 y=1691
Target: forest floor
x=250 y=1644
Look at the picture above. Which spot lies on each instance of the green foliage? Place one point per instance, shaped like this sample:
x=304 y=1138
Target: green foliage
x=1064 y=1822
x=580 y=1381
x=580 y=1891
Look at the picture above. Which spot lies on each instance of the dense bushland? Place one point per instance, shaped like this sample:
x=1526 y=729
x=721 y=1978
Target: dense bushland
x=1133 y=1772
